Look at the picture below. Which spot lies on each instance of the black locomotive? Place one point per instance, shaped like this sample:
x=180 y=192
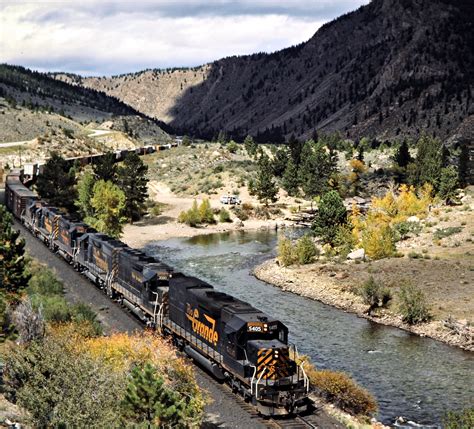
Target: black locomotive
x=234 y=341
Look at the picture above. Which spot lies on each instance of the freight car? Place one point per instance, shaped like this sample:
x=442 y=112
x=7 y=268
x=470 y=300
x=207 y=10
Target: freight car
x=236 y=342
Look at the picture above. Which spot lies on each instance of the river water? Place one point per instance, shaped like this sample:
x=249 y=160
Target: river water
x=417 y=378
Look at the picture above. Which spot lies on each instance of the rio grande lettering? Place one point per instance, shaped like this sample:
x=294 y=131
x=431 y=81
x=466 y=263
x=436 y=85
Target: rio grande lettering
x=200 y=328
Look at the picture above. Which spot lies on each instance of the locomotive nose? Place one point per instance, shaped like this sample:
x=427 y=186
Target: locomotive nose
x=271 y=359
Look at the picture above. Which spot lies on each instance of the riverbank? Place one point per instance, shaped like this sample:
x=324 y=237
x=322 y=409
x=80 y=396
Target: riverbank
x=333 y=284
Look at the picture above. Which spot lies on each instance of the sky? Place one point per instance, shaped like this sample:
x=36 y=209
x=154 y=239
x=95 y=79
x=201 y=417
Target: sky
x=99 y=37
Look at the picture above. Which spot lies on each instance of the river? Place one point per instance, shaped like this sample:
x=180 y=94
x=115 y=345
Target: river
x=417 y=378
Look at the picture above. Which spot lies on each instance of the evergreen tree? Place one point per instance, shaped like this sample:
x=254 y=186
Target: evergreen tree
x=132 y=179
x=149 y=402
x=265 y=188
x=56 y=183
x=108 y=202
x=250 y=145
x=105 y=168
x=402 y=156
x=13 y=277
x=332 y=214
x=280 y=162
x=296 y=147
x=290 y=180
x=315 y=169
x=429 y=162
x=85 y=191
x=448 y=183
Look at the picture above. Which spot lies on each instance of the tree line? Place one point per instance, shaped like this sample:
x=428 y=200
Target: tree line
x=106 y=196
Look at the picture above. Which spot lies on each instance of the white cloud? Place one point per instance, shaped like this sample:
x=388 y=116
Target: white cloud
x=100 y=37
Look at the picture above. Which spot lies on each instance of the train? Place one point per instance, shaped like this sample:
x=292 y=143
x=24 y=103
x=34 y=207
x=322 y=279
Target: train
x=237 y=343
x=32 y=170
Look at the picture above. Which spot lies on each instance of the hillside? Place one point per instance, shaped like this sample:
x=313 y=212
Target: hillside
x=34 y=105
x=393 y=67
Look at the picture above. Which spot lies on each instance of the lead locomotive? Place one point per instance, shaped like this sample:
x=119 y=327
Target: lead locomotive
x=237 y=343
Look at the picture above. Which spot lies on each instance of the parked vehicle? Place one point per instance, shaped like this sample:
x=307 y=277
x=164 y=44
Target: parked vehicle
x=230 y=199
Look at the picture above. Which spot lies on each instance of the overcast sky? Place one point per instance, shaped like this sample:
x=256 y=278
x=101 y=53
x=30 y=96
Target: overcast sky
x=98 y=37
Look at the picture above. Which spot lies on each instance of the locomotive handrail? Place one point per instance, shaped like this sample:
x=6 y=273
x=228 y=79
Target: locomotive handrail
x=305 y=377
x=258 y=382
x=253 y=377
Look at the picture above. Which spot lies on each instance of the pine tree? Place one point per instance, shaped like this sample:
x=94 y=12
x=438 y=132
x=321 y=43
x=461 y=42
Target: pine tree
x=296 y=147
x=280 y=162
x=402 y=156
x=85 y=191
x=105 y=168
x=315 y=170
x=108 y=203
x=429 y=162
x=250 y=145
x=56 y=183
x=148 y=401
x=448 y=183
x=13 y=277
x=290 y=180
x=332 y=214
x=132 y=179
x=265 y=188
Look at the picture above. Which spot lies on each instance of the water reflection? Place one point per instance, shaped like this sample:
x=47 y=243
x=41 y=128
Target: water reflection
x=411 y=376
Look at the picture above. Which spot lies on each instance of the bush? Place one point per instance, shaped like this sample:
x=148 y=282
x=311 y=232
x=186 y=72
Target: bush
x=190 y=217
x=205 y=212
x=463 y=419
x=224 y=216
x=345 y=240
x=412 y=305
x=339 y=388
x=374 y=294
x=446 y=232
x=378 y=241
x=305 y=250
x=240 y=213
x=286 y=255
x=403 y=229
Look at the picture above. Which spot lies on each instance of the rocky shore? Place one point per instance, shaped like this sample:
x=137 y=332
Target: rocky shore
x=329 y=286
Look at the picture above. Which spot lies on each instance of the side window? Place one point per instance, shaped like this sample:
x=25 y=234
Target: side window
x=281 y=336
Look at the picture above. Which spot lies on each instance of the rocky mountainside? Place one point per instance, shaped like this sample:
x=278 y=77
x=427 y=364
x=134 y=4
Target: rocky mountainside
x=393 y=67
x=33 y=104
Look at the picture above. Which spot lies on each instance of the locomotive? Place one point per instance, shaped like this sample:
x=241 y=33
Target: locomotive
x=236 y=342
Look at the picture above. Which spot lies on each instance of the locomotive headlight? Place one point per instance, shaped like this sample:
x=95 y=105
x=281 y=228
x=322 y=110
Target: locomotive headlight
x=265 y=327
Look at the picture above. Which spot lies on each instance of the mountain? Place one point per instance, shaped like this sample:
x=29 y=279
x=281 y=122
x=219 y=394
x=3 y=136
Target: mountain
x=34 y=103
x=393 y=67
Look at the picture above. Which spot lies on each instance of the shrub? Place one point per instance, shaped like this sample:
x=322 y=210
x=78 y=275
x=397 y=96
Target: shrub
x=340 y=389
x=403 y=229
x=345 y=240
x=286 y=255
x=224 y=216
x=232 y=146
x=205 y=212
x=374 y=294
x=412 y=305
x=446 y=232
x=378 y=241
x=463 y=419
x=305 y=250
x=415 y=255
x=240 y=213
x=190 y=217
